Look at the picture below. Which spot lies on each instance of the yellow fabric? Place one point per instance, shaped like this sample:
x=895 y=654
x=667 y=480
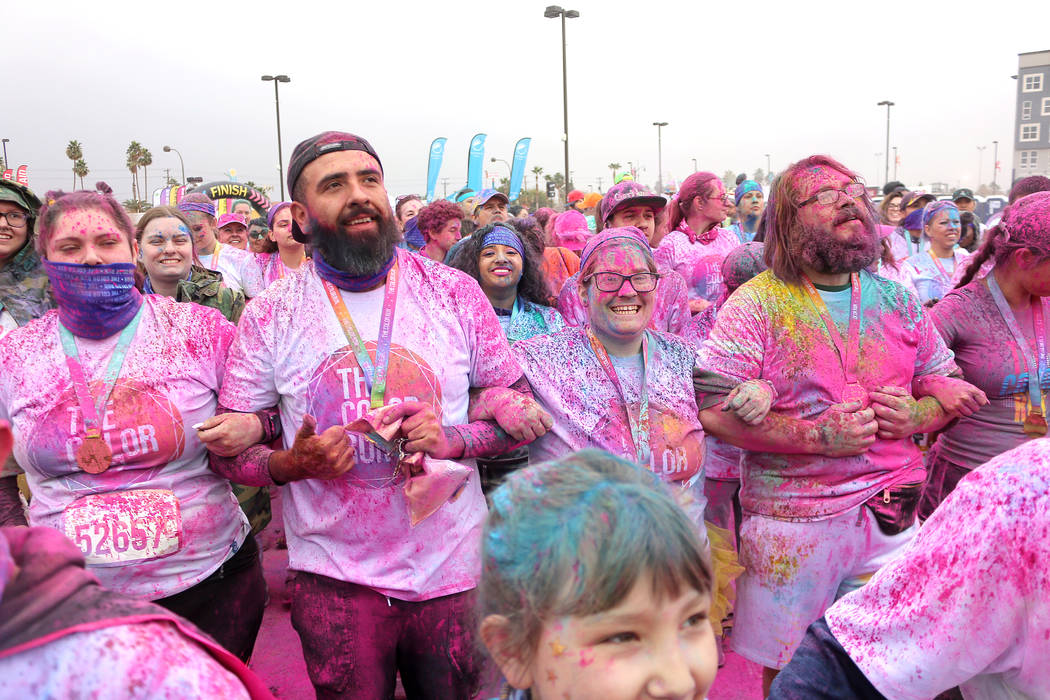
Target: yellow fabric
x=725 y=568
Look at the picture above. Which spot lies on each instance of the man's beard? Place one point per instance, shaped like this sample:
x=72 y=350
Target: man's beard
x=821 y=250
x=356 y=254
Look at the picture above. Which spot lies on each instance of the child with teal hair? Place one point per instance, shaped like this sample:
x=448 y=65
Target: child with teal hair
x=595 y=585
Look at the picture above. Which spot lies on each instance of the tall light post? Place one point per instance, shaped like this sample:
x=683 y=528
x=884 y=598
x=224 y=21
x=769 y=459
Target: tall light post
x=695 y=169
x=277 y=100
x=169 y=149
x=551 y=12
x=659 y=156
x=980 y=164
x=500 y=160
x=994 y=166
x=894 y=163
x=888 y=105
x=769 y=168
x=6 y=165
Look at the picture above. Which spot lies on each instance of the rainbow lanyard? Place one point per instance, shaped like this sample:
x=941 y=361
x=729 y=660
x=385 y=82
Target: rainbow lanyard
x=90 y=407
x=215 y=256
x=940 y=268
x=1030 y=361
x=375 y=375
x=847 y=355
x=639 y=425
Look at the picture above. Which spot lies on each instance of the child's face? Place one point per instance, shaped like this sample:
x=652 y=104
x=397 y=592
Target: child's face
x=642 y=648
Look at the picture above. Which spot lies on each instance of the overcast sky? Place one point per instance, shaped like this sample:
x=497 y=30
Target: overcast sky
x=734 y=80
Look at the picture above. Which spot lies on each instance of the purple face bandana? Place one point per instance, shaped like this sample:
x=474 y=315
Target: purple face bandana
x=94 y=301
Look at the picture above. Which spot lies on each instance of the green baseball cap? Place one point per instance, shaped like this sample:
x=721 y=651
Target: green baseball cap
x=11 y=191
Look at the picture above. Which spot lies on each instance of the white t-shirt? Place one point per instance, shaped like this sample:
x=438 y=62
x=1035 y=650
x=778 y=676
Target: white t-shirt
x=158 y=520
x=291 y=351
x=132 y=662
x=968 y=602
x=7 y=322
x=238 y=267
x=930 y=282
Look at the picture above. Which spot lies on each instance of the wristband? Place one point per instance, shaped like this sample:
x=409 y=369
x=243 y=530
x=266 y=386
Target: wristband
x=271 y=424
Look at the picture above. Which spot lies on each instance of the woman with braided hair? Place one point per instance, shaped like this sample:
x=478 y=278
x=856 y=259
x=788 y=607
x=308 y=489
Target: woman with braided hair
x=996 y=325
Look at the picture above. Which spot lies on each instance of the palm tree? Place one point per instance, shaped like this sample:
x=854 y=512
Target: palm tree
x=74 y=151
x=80 y=169
x=134 y=152
x=614 y=167
x=145 y=160
x=537 y=171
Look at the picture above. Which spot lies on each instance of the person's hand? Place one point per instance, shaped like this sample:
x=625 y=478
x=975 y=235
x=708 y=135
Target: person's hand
x=750 y=401
x=896 y=411
x=955 y=396
x=698 y=305
x=229 y=434
x=421 y=428
x=313 y=456
x=519 y=415
x=846 y=429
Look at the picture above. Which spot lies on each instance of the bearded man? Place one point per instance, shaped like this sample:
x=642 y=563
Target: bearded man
x=369 y=326
x=831 y=476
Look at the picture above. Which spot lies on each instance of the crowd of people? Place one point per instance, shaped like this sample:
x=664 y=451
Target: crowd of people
x=606 y=444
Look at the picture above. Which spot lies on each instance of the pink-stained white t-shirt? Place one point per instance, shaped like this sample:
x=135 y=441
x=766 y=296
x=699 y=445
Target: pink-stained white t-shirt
x=158 y=520
x=990 y=359
x=670 y=310
x=290 y=351
x=700 y=264
x=568 y=380
x=273 y=268
x=968 y=602
x=238 y=268
x=900 y=272
x=930 y=282
x=770 y=330
x=143 y=661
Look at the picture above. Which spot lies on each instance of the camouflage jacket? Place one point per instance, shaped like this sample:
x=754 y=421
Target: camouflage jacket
x=205 y=287
x=25 y=291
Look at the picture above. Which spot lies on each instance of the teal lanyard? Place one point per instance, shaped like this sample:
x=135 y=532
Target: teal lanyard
x=92 y=409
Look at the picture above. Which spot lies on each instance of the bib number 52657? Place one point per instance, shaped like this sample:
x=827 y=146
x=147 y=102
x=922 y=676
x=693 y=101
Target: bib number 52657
x=115 y=528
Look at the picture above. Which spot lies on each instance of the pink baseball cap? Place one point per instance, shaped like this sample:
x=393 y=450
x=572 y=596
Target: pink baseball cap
x=570 y=230
x=226 y=219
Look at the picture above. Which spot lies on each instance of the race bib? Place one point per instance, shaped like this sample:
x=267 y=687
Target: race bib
x=112 y=529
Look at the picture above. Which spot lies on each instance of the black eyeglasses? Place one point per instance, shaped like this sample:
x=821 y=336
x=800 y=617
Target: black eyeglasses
x=613 y=281
x=855 y=190
x=14 y=218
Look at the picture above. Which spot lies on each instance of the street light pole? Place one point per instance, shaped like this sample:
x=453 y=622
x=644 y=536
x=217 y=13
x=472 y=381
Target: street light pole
x=769 y=168
x=888 y=105
x=894 y=163
x=277 y=101
x=551 y=12
x=169 y=149
x=980 y=164
x=994 y=166
x=660 y=156
x=695 y=169
x=6 y=164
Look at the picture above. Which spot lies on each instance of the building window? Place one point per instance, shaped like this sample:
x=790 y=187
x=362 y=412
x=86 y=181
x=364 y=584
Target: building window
x=1033 y=82
x=1029 y=160
x=1046 y=106
x=1030 y=132
x=1026 y=110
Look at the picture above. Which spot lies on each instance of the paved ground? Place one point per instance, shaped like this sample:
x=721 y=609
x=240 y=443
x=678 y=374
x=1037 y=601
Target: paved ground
x=278 y=657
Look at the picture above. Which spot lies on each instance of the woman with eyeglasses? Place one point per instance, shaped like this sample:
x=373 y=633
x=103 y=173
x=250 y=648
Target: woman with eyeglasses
x=290 y=255
x=890 y=209
x=613 y=384
x=24 y=290
x=937 y=268
x=106 y=398
x=696 y=243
